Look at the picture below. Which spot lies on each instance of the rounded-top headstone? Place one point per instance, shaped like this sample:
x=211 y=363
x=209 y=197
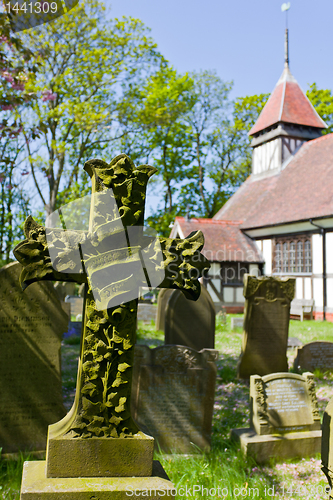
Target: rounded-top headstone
x=162 y=302
x=190 y=323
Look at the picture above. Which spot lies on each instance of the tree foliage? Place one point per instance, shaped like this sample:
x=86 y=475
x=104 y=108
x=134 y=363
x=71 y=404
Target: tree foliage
x=322 y=101
x=16 y=67
x=85 y=86
x=197 y=136
x=83 y=61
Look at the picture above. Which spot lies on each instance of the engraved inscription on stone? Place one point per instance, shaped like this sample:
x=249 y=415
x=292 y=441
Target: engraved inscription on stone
x=315 y=355
x=270 y=322
x=31 y=327
x=173 y=396
x=288 y=403
x=283 y=402
x=266 y=323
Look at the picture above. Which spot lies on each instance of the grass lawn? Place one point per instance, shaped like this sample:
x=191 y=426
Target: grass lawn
x=224 y=468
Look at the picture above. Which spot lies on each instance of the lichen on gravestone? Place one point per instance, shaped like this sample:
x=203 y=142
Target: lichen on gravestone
x=94 y=256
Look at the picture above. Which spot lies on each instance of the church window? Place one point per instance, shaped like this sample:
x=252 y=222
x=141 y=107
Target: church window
x=299 y=256
x=278 y=261
x=292 y=255
x=307 y=257
x=285 y=259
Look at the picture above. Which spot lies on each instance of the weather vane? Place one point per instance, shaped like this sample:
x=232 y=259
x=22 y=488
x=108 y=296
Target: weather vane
x=285 y=7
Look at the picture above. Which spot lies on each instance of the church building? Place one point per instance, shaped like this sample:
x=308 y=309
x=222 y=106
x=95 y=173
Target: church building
x=280 y=221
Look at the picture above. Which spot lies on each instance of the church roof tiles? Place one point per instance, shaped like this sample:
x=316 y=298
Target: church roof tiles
x=224 y=241
x=287 y=104
x=301 y=191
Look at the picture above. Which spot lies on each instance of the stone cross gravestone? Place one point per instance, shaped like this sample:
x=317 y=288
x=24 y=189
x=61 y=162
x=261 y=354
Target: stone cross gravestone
x=173 y=396
x=162 y=301
x=190 y=323
x=98 y=438
x=31 y=328
x=314 y=355
x=284 y=417
x=266 y=324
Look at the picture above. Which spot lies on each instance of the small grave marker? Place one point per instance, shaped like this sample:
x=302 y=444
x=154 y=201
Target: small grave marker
x=314 y=355
x=284 y=420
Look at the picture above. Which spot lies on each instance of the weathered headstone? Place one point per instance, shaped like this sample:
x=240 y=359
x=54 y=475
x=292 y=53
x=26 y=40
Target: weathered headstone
x=76 y=304
x=327 y=446
x=284 y=417
x=266 y=324
x=98 y=439
x=190 y=323
x=162 y=301
x=63 y=289
x=173 y=396
x=314 y=355
x=31 y=328
x=237 y=322
x=294 y=342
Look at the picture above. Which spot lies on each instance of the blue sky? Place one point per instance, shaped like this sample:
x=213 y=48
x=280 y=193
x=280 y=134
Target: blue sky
x=242 y=40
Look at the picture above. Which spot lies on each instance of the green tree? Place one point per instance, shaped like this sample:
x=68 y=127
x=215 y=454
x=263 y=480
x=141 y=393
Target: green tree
x=220 y=128
x=197 y=136
x=211 y=108
x=322 y=101
x=158 y=110
x=16 y=66
x=83 y=62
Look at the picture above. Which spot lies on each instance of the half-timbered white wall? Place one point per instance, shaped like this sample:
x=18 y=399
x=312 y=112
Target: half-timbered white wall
x=309 y=286
x=267 y=156
x=267 y=254
x=329 y=271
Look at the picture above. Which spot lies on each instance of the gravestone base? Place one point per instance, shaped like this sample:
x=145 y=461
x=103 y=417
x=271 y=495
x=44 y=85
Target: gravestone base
x=36 y=486
x=291 y=445
x=100 y=457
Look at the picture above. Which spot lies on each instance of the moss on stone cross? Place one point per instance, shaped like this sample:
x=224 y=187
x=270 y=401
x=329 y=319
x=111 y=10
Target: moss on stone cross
x=102 y=406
